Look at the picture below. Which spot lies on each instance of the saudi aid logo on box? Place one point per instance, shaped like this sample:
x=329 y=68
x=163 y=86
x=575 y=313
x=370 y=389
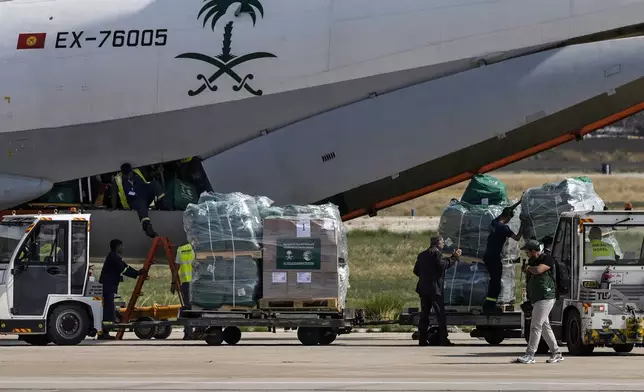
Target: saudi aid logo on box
x=298 y=253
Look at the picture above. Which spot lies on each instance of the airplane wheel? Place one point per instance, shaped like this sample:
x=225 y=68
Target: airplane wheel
x=35 y=340
x=145 y=333
x=232 y=335
x=67 y=325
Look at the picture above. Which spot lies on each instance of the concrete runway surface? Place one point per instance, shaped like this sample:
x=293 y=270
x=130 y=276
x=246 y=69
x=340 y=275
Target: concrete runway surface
x=277 y=362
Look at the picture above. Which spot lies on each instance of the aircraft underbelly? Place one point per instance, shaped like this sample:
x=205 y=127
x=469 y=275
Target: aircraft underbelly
x=379 y=139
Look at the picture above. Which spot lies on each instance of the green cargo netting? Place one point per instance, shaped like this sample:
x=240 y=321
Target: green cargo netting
x=483 y=186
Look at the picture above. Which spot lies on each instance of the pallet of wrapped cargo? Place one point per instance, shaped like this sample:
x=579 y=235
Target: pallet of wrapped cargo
x=466 y=226
x=466 y=285
x=304 y=259
x=542 y=206
x=224 y=230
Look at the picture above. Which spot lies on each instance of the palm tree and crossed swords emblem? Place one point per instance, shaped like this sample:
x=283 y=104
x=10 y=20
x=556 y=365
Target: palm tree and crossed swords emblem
x=226 y=62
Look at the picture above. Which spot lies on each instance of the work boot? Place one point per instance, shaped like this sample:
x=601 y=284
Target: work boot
x=105 y=336
x=446 y=343
x=490 y=308
x=149 y=231
x=423 y=340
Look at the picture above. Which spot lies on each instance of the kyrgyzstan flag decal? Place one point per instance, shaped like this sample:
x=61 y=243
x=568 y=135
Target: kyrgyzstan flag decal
x=31 y=40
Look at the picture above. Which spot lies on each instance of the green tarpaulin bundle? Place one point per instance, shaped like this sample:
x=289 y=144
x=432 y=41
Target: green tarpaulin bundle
x=486 y=189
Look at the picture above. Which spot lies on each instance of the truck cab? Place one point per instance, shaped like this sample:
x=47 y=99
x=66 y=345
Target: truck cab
x=603 y=254
x=46 y=292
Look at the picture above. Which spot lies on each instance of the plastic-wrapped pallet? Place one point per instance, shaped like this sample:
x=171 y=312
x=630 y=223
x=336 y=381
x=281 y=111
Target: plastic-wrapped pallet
x=223 y=222
x=467 y=226
x=466 y=285
x=218 y=282
x=305 y=255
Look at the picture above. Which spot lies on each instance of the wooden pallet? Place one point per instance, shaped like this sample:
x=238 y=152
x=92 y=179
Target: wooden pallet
x=300 y=304
x=229 y=254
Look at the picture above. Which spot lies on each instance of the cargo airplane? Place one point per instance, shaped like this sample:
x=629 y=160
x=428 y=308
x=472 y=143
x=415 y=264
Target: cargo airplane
x=365 y=103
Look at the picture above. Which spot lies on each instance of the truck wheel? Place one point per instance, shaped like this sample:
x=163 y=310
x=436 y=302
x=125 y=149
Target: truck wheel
x=414 y=336
x=308 y=336
x=214 y=336
x=232 y=335
x=623 y=348
x=35 y=340
x=67 y=325
x=327 y=336
x=145 y=333
x=574 y=338
x=163 y=332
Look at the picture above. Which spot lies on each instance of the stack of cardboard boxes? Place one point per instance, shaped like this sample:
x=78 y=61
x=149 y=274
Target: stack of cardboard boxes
x=300 y=258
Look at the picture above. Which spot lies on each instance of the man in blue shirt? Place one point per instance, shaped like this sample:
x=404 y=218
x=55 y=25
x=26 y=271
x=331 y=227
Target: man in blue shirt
x=499 y=233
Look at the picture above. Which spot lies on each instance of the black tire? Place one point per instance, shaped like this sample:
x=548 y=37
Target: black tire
x=35 y=340
x=145 y=333
x=232 y=335
x=414 y=336
x=67 y=325
x=308 y=336
x=494 y=339
x=163 y=332
x=214 y=336
x=574 y=338
x=327 y=336
x=623 y=348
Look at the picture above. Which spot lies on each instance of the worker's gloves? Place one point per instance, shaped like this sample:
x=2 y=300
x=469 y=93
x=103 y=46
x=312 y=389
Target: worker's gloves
x=141 y=272
x=173 y=287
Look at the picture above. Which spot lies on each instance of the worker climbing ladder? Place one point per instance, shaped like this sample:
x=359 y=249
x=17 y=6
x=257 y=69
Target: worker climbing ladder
x=136 y=293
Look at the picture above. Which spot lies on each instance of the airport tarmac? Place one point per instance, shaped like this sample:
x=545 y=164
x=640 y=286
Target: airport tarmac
x=278 y=362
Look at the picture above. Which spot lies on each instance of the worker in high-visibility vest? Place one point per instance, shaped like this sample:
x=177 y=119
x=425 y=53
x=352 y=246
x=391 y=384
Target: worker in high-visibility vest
x=45 y=251
x=596 y=249
x=135 y=192
x=184 y=258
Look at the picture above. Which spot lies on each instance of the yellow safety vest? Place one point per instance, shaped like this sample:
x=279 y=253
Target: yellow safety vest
x=119 y=184
x=185 y=256
x=45 y=251
x=599 y=250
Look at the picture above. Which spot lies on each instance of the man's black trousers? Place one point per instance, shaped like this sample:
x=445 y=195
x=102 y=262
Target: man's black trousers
x=426 y=305
x=109 y=310
x=495 y=269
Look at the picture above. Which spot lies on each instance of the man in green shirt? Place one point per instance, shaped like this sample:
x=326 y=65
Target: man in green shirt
x=541 y=289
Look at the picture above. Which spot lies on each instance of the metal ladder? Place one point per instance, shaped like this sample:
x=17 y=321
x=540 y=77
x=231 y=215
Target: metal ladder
x=136 y=293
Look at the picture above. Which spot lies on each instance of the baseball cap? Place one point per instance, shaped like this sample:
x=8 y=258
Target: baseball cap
x=532 y=245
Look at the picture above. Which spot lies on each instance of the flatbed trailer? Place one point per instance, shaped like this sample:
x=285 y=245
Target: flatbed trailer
x=218 y=326
x=494 y=328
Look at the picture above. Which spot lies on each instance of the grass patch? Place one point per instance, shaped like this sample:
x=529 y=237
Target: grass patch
x=615 y=190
